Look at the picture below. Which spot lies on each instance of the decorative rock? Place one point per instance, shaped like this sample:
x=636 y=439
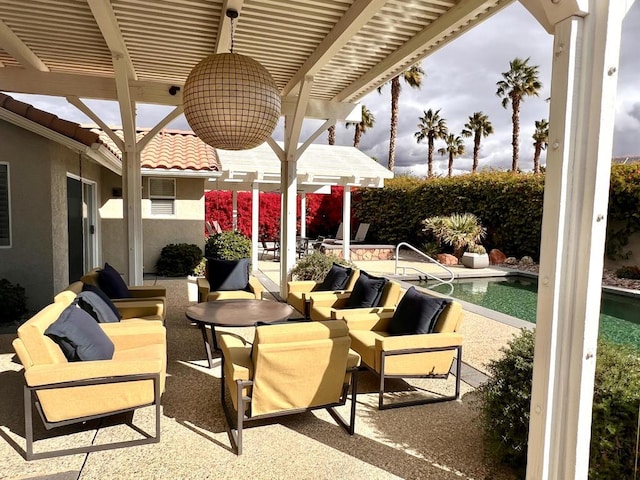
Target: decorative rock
x=511 y=261
x=496 y=257
x=526 y=260
x=447 y=259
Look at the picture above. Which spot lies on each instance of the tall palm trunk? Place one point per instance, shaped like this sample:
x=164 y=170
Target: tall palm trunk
x=536 y=157
x=395 y=95
x=515 y=119
x=430 y=158
x=357 y=136
x=476 y=150
x=332 y=135
x=450 y=164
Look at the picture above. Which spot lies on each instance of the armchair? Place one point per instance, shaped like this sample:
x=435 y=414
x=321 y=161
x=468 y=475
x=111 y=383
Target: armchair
x=131 y=293
x=131 y=309
x=408 y=355
x=230 y=281
x=291 y=368
x=67 y=392
x=333 y=305
x=298 y=295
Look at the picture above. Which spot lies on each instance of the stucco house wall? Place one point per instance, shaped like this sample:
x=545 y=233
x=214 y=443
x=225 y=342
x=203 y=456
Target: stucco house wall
x=186 y=226
x=38 y=167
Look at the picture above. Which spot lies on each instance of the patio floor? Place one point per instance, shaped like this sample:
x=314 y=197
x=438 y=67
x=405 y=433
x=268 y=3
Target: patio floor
x=437 y=441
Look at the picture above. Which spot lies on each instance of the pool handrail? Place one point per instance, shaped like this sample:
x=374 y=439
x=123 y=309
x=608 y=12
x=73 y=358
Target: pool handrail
x=426 y=274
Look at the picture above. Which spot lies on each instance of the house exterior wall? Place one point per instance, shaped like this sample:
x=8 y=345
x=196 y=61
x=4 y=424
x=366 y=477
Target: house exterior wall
x=186 y=226
x=38 y=258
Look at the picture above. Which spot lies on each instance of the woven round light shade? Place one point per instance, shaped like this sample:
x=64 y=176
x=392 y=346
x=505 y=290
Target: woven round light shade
x=231 y=101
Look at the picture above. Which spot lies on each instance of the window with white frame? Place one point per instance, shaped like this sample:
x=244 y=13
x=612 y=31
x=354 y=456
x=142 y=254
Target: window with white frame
x=162 y=193
x=5 y=207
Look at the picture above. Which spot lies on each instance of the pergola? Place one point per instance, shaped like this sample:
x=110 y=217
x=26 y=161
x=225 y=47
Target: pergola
x=258 y=170
x=324 y=57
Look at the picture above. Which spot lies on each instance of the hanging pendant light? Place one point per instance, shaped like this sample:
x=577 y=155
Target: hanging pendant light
x=231 y=101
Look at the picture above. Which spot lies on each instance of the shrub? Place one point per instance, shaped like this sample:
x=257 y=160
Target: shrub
x=229 y=245
x=459 y=230
x=315 y=266
x=178 y=259
x=628 y=271
x=13 y=302
x=506 y=397
x=475 y=248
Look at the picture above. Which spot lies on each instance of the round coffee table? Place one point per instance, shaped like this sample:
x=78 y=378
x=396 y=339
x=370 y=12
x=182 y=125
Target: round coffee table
x=234 y=313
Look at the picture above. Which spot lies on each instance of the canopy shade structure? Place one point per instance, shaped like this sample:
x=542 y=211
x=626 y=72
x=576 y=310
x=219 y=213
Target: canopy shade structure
x=319 y=165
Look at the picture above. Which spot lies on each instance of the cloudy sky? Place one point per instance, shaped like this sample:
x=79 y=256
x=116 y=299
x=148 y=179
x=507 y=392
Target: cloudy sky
x=460 y=80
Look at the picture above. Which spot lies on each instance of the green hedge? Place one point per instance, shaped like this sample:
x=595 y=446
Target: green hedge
x=508 y=204
x=506 y=398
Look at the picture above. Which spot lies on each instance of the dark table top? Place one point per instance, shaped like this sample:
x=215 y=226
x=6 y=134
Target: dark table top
x=238 y=313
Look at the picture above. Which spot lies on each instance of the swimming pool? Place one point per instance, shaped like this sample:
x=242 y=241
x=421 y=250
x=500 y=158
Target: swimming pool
x=518 y=295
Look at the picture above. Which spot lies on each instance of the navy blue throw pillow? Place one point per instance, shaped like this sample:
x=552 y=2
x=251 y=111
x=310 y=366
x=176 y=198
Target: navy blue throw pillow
x=112 y=283
x=92 y=288
x=227 y=274
x=91 y=303
x=367 y=291
x=417 y=312
x=79 y=336
x=336 y=278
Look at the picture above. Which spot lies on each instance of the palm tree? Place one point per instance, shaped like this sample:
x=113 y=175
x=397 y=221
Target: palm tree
x=455 y=147
x=431 y=127
x=332 y=135
x=367 y=122
x=541 y=137
x=412 y=77
x=520 y=81
x=478 y=126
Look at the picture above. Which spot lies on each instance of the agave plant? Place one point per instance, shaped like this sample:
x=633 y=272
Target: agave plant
x=460 y=230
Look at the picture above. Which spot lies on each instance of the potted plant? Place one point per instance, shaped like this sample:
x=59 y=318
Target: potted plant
x=475 y=257
x=459 y=230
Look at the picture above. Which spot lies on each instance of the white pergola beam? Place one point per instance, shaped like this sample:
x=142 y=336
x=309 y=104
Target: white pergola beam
x=106 y=19
x=171 y=116
x=15 y=47
x=80 y=105
x=582 y=113
x=351 y=22
x=126 y=103
x=19 y=80
x=459 y=17
x=223 y=41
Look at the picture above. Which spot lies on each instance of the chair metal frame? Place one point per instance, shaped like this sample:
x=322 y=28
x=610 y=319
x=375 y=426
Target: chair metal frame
x=408 y=351
x=235 y=434
x=30 y=399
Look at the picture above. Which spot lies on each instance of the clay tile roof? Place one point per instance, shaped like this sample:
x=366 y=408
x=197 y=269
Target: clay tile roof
x=171 y=149
x=48 y=120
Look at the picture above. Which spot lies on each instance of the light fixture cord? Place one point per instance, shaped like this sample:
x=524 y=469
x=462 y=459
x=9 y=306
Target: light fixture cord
x=232 y=32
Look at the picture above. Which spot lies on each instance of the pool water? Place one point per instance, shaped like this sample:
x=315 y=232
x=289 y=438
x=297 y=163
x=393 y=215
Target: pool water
x=517 y=296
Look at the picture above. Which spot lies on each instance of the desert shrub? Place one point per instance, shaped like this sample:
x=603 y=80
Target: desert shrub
x=628 y=271
x=506 y=398
x=178 y=259
x=13 y=302
x=315 y=266
x=229 y=245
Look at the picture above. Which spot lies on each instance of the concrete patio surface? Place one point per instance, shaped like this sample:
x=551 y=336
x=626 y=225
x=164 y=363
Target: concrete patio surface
x=438 y=441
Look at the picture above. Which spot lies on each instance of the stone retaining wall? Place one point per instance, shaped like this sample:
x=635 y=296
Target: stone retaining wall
x=362 y=252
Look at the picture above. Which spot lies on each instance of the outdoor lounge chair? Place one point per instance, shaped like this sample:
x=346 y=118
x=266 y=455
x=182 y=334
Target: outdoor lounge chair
x=291 y=368
x=391 y=354
x=299 y=291
x=131 y=293
x=332 y=305
x=275 y=249
x=228 y=280
x=68 y=392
